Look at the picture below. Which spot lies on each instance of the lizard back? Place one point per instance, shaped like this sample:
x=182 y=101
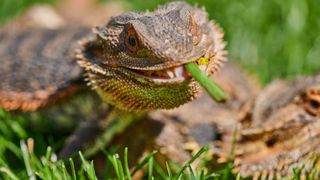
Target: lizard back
x=38 y=66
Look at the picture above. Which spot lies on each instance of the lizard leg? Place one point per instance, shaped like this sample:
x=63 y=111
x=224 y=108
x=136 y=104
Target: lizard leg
x=94 y=135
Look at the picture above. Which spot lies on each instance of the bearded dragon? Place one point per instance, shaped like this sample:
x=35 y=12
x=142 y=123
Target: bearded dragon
x=135 y=63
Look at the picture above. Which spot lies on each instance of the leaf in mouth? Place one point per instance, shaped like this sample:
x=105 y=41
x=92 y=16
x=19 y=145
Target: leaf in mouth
x=212 y=89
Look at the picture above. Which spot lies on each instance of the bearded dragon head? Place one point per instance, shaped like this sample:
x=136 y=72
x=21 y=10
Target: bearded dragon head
x=285 y=133
x=136 y=61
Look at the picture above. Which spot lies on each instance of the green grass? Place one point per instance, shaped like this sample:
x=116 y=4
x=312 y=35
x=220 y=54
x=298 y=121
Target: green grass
x=47 y=166
x=11 y=8
x=269 y=38
x=28 y=153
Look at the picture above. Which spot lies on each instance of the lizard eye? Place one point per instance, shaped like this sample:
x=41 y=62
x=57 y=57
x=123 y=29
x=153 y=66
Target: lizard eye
x=131 y=40
x=312 y=100
x=314 y=104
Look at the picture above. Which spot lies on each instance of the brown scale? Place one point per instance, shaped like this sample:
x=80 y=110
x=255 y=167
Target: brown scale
x=289 y=137
x=38 y=67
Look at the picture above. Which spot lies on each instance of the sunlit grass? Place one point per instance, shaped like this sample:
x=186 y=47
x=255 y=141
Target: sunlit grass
x=47 y=166
x=23 y=156
x=11 y=8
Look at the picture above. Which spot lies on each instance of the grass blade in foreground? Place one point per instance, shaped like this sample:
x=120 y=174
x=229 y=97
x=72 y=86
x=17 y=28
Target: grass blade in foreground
x=212 y=89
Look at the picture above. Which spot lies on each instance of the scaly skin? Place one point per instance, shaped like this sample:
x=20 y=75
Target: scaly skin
x=37 y=66
x=284 y=132
x=135 y=62
x=278 y=128
x=178 y=132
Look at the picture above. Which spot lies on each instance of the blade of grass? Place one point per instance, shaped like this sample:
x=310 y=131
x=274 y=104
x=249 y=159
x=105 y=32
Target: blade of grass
x=122 y=176
x=314 y=169
x=26 y=159
x=211 y=176
x=88 y=167
x=73 y=169
x=18 y=129
x=238 y=177
x=48 y=154
x=113 y=160
x=64 y=171
x=192 y=176
x=201 y=151
x=150 y=168
x=169 y=170
x=92 y=171
x=202 y=174
x=8 y=172
x=108 y=170
x=212 y=89
x=174 y=166
x=143 y=162
x=297 y=172
x=160 y=171
x=126 y=164
x=10 y=146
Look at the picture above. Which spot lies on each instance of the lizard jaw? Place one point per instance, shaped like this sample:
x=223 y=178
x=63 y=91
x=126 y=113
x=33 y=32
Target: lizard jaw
x=175 y=74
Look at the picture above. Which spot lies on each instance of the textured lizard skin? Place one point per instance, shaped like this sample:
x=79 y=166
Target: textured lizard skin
x=37 y=66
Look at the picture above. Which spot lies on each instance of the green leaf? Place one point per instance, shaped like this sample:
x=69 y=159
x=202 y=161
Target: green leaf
x=212 y=89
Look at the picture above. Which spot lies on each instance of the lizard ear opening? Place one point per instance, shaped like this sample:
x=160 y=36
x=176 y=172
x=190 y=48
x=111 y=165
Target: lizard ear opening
x=311 y=100
x=131 y=40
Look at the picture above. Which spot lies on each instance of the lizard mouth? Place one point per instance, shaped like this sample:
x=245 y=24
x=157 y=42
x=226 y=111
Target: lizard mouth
x=174 y=74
